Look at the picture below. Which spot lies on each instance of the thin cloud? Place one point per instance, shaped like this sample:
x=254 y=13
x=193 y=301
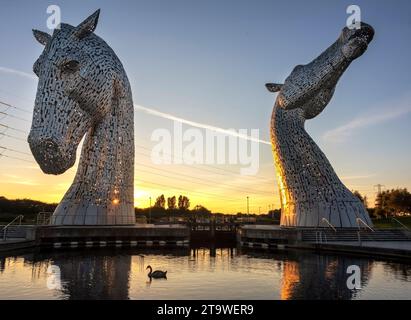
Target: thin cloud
x=358 y=177
x=19 y=180
x=18 y=73
x=198 y=125
x=343 y=132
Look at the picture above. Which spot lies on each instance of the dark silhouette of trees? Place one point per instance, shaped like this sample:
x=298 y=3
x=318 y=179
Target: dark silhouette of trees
x=171 y=203
x=183 y=203
x=160 y=202
x=9 y=208
x=392 y=202
x=200 y=210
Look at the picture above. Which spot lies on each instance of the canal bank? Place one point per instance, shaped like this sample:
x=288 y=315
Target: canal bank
x=385 y=243
x=144 y=235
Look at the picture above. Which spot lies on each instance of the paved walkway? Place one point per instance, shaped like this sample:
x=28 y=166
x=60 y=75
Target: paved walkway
x=396 y=245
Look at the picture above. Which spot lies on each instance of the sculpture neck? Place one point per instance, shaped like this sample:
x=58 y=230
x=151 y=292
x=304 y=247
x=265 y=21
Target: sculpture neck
x=287 y=137
x=310 y=190
x=105 y=175
x=304 y=174
x=107 y=159
x=102 y=192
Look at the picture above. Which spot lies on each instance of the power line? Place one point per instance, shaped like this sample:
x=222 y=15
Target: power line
x=20 y=97
x=144 y=181
x=190 y=179
x=198 y=183
x=10 y=136
x=13 y=106
x=150 y=183
x=12 y=116
x=189 y=191
x=12 y=150
x=143 y=147
x=179 y=175
x=207 y=165
x=15 y=158
x=264 y=181
x=11 y=128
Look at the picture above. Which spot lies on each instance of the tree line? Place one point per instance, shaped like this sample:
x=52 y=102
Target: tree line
x=183 y=203
x=389 y=203
x=172 y=207
x=393 y=202
x=10 y=208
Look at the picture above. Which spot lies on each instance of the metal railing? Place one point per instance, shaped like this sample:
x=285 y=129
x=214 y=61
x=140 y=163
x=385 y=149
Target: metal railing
x=401 y=224
x=19 y=218
x=319 y=237
x=44 y=218
x=361 y=221
x=359 y=238
x=329 y=224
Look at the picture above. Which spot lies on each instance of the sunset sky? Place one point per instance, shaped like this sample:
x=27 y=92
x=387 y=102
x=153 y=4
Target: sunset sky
x=206 y=62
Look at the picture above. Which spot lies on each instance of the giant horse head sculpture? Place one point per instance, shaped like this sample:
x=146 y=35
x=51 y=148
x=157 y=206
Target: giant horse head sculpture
x=310 y=87
x=83 y=90
x=311 y=193
x=79 y=78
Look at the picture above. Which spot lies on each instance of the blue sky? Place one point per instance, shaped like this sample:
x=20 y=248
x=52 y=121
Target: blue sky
x=208 y=61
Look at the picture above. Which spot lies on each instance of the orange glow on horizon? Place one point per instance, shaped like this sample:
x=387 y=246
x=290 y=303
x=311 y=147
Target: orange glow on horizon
x=227 y=195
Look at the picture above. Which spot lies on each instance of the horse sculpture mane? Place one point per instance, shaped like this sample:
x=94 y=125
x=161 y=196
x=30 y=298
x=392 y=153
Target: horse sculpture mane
x=311 y=193
x=83 y=90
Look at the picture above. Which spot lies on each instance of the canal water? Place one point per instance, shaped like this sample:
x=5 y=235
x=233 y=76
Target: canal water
x=198 y=274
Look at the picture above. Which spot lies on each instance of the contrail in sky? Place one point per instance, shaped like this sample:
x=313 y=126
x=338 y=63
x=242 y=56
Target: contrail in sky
x=198 y=125
x=18 y=73
x=160 y=114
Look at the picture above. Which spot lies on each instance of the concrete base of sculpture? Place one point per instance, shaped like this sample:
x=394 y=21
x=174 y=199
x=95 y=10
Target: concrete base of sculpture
x=69 y=213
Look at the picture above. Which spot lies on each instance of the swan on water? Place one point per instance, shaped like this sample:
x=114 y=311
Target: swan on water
x=157 y=273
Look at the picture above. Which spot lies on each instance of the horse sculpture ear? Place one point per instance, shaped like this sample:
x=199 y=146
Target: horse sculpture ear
x=87 y=26
x=41 y=37
x=273 y=87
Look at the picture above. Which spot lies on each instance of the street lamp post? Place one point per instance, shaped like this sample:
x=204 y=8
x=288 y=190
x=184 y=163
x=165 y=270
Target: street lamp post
x=149 y=213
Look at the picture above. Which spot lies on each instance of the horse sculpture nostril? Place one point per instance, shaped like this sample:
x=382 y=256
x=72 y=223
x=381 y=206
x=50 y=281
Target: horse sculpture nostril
x=49 y=155
x=366 y=32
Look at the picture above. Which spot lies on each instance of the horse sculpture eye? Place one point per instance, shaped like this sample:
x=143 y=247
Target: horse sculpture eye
x=70 y=66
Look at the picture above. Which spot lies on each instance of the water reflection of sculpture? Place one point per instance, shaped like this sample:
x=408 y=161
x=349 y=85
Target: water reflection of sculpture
x=308 y=276
x=309 y=188
x=83 y=90
x=96 y=276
